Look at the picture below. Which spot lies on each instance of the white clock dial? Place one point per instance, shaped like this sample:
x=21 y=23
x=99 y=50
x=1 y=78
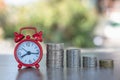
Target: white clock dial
x=28 y=52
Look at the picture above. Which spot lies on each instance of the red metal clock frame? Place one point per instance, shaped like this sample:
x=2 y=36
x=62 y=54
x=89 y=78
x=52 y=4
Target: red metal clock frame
x=28 y=38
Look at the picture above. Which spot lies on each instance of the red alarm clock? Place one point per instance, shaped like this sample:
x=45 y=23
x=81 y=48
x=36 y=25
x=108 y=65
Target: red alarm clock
x=28 y=51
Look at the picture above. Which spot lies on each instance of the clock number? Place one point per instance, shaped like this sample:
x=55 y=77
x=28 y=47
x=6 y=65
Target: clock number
x=33 y=59
x=19 y=53
x=32 y=44
x=37 y=56
x=37 y=50
x=25 y=60
x=28 y=44
x=23 y=45
x=30 y=61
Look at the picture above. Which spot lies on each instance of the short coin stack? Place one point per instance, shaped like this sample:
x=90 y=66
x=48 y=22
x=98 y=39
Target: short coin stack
x=55 y=55
x=106 y=63
x=73 y=58
x=89 y=62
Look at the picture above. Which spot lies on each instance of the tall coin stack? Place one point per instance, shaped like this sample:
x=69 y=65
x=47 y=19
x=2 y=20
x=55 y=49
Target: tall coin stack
x=55 y=55
x=73 y=58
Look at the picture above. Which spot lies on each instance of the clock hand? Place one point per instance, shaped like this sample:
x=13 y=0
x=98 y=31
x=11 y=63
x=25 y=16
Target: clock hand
x=34 y=53
x=28 y=53
x=24 y=55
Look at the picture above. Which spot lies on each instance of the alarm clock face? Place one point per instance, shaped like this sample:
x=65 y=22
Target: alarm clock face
x=28 y=52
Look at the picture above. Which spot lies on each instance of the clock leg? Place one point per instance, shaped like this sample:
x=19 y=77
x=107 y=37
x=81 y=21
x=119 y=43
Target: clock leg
x=19 y=66
x=37 y=66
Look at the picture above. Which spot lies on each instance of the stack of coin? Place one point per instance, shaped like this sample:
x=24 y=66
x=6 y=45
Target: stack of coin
x=55 y=55
x=106 y=63
x=73 y=58
x=89 y=61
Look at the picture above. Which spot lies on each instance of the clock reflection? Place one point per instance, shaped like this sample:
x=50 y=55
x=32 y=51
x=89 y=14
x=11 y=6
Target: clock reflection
x=29 y=74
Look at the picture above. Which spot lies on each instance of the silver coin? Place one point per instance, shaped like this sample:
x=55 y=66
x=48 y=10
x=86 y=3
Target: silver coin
x=56 y=53
x=55 y=65
x=55 y=46
x=54 y=60
x=53 y=52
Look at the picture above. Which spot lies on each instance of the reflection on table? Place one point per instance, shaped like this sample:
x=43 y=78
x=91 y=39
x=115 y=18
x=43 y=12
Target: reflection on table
x=29 y=74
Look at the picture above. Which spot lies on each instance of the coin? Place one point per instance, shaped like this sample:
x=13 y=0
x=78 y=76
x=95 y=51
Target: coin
x=55 y=46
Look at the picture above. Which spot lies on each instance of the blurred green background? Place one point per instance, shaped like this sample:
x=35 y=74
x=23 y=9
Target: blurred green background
x=69 y=21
